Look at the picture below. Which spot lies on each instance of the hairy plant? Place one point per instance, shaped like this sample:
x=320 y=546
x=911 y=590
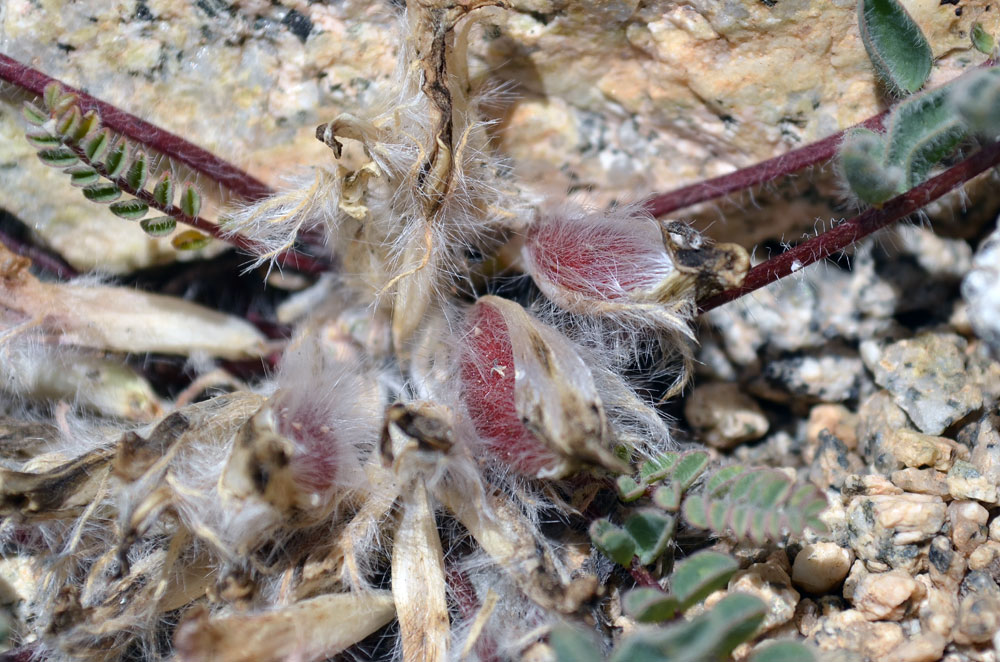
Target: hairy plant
x=404 y=461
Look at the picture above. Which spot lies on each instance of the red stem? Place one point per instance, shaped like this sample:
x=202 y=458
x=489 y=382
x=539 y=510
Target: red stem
x=165 y=142
x=848 y=232
x=642 y=576
x=40 y=258
x=765 y=171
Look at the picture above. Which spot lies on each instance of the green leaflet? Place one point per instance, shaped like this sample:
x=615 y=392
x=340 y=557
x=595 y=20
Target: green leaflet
x=82 y=175
x=130 y=210
x=95 y=145
x=613 y=541
x=700 y=574
x=190 y=203
x=58 y=157
x=102 y=192
x=572 y=645
x=163 y=192
x=862 y=156
x=783 y=651
x=976 y=100
x=33 y=114
x=69 y=122
x=922 y=131
x=982 y=40
x=190 y=240
x=651 y=530
x=895 y=44
x=117 y=159
x=138 y=171
x=158 y=227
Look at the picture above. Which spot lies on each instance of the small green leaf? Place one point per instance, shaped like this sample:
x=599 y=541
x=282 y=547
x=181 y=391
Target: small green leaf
x=649 y=605
x=102 y=192
x=862 y=165
x=117 y=159
x=158 y=227
x=613 y=541
x=657 y=468
x=190 y=240
x=982 y=40
x=722 y=476
x=163 y=192
x=689 y=467
x=668 y=497
x=694 y=511
x=138 y=171
x=736 y=618
x=783 y=651
x=976 y=99
x=33 y=114
x=95 y=145
x=718 y=514
x=922 y=130
x=82 y=175
x=571 y=644
x=895 y=44
x=739 y=521
x=130 y=210
x=43 y=139
x=89 y=123
x=651 y=530
x=69 y=122
x=700 y=574
x=58 y=157
x=628 y=489
x=190 y=203
x=51 y=94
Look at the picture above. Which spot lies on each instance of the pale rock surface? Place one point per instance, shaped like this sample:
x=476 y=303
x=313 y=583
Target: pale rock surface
x=921 y=481
x=724 y=416
x=821 y=566
x=769 y=582
x=918 y=450
x=922 y=648
x=968 y=525
x=979 y=610
x=884 y=596
x=850 y=630
x=886 y=528
x=966 y=482
x=981 y=290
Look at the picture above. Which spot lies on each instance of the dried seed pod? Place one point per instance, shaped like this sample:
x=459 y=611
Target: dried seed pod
x=530 y=395
x=624 y=263
x=309 y=437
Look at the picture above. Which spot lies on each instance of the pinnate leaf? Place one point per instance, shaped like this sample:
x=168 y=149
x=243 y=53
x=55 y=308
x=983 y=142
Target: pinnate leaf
x=94 y=146
x=651 y=530
x=43 y=140
x=138 y=171
x=613 y=541
x=163 y=192
x=895 y=44
x=117 y=159
x=58 y=157
x=82 y=175
x=89 y=123
x=69 y=122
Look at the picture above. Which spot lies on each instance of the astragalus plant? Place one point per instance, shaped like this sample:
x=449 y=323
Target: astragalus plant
x=422 y=464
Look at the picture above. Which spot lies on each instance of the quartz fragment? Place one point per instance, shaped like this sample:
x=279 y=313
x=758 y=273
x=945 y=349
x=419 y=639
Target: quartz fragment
x=979 y=611
x=821 y=566
x=769 y=582
x=885 y=595
x=965 y=482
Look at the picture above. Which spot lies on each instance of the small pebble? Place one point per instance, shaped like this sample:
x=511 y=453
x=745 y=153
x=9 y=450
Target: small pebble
x=918 y=450
x=966 y=482
x=821 y=566
x=979 y=611
x=832 y=463
x=849 y=630
x=884 y=596
x=981 y=289
x=968 y=525
x=986 y=448
x=879 y=418
x=938 y=611
x=838 y=420
x=927 y=647
x=986 y=557
x=724 y=416
x=770 y=583
x=921 y=481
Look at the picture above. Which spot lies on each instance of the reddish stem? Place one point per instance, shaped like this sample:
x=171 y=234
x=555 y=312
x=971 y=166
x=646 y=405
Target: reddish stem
x=765 y=171
x=291 y=259
x=40 y=258
x=642 y=576
x=848 y=232
x=165 y=142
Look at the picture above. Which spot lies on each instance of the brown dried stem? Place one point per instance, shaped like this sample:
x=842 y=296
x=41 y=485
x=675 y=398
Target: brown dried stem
x=850 y=231
x=44 y=260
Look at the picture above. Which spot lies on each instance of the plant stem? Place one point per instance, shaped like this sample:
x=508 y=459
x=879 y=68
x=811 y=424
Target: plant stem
x=850 y=231
x=40 y=258
x=290 y=258
x=169 y=144
x=642 y=576
x=762 y=172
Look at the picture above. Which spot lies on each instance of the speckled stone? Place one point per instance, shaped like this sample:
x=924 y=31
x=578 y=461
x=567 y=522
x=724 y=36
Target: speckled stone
x=770 y=583
x=838 y=420
x=968 y=525
x=885 y=528
x=724 y=416
x=879 y=420
x=927 y=378
x=918 y=450
x=832 y=462
x=966 y=482
x=850 y=630
x=979 y=610
x=885 y=595
x=986 y=448
x=921 y=481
